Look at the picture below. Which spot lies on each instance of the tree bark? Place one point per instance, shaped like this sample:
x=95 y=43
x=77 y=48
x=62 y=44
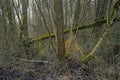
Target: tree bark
x=60 y=27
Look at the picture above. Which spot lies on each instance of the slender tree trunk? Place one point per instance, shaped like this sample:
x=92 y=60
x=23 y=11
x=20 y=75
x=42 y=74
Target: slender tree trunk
x=24 y=27
x=60 y=26
x=77 y=14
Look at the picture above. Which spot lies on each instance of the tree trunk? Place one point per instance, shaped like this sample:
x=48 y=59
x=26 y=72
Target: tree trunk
x=60 y=27
x=24 y=27
x=77 y=14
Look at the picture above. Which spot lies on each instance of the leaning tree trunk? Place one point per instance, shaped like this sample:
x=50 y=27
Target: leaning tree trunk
x=60 y=26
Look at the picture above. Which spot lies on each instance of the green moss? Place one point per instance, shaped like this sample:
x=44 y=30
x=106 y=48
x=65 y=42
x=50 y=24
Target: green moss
x=66 y=31
x=87 y=57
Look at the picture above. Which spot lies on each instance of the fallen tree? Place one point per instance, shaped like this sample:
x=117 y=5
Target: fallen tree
x=73 y=29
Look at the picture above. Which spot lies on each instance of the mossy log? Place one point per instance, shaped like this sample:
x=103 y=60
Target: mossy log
x=73 y=29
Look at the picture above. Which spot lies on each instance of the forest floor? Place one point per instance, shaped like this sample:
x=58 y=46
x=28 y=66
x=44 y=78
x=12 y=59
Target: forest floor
x=64 y=70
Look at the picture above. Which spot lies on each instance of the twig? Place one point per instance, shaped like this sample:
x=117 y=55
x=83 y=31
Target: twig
x=34 y=61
